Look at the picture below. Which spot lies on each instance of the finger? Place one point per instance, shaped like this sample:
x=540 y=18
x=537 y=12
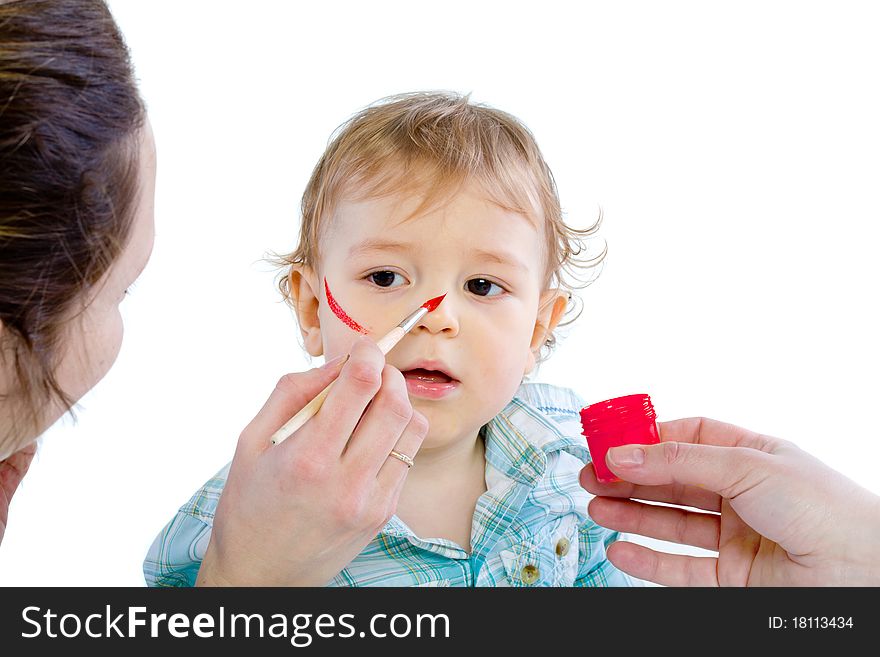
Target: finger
x=661 y=522
x=674 y=493
x=397 y=479
x=12 y=471
x=381 y=425
x=15 y=467
x=695 y=431
x=393 y=471
x=728 y=471
x=663 y=568
x=705 y=431
x=358 y=382
x=292 y=392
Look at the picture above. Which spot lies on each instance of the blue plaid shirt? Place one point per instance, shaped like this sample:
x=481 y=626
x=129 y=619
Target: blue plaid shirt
x=530 y=527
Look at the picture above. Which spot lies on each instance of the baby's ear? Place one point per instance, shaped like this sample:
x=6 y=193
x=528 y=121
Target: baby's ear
x=551 y=308
x=304 y=289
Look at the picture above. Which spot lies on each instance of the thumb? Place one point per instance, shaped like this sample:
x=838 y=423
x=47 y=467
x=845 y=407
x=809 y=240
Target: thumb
x=728 y=471
x=292 y=392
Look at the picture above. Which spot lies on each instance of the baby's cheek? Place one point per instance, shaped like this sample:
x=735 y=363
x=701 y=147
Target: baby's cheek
x=337 y=338
x=502 y=375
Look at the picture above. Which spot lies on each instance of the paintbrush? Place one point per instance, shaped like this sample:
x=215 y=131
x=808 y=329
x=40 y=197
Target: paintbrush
x=385 y=344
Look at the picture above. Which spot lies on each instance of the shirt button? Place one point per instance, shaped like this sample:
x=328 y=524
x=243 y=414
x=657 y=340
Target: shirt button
x=562 y=547
x=530 y=574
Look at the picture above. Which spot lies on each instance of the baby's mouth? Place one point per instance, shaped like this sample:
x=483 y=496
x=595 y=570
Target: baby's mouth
x=427 y=376
x=431 y=385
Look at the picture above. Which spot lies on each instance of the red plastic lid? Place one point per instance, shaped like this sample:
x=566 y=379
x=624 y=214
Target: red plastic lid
x=615 y=422
x=620 y=410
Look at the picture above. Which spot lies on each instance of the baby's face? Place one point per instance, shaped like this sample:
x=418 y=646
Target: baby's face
x=464 y=361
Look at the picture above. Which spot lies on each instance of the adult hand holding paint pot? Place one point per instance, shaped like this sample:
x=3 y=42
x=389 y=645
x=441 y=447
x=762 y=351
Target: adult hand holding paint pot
x=296 y=513
x=778 y=516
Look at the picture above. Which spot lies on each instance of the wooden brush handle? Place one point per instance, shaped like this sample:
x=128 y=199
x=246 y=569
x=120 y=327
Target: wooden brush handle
x=305 y=414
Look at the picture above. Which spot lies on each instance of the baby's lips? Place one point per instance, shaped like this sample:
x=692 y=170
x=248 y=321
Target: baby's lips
x=430 y=365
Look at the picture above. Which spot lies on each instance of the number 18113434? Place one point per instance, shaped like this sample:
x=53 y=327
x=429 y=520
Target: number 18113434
x=810 y=622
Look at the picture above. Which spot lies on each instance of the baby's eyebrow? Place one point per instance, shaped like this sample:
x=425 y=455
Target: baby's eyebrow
x=378 y=244
x=500 y=258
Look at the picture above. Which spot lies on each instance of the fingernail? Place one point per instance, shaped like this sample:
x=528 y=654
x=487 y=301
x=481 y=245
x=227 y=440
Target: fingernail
x=626 y=456
x=330 y=364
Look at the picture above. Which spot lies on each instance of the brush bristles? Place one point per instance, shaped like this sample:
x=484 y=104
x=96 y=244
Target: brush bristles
x=431 y=304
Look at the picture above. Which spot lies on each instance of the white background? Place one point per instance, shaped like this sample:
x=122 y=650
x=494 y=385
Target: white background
x=734 y=149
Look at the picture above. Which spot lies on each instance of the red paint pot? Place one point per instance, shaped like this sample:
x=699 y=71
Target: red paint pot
x=621 y=421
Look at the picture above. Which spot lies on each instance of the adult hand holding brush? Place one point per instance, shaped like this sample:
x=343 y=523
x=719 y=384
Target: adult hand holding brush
x=331 y=488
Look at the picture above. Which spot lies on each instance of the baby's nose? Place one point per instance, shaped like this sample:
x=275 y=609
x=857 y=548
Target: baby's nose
x=443 y=319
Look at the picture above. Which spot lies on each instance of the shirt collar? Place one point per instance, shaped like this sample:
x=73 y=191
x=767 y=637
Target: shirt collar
x=519 y=438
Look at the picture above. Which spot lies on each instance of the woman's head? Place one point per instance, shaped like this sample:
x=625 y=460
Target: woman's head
x=77 y=169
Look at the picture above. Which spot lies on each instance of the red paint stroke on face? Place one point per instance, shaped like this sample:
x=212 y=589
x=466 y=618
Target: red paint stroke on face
x=340 y=313
x=431 y=304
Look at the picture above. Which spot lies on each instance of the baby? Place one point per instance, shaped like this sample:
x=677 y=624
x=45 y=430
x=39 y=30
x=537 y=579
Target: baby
x=418 y=195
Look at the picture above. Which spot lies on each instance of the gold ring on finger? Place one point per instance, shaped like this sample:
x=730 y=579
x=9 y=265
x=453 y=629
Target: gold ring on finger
x=402 y=457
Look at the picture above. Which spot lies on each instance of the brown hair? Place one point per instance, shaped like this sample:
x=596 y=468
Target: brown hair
x=69 y=114
x=432 y=143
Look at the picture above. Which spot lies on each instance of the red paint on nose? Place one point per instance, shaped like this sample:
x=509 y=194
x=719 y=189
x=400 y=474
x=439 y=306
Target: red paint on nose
x=431 y=304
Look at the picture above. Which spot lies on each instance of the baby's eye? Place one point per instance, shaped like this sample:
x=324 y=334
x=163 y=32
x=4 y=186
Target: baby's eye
x=483 y=287
x=385 y=278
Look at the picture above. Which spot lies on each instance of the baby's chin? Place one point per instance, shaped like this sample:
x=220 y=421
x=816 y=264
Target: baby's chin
x=445 y=427
x=441 y=443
